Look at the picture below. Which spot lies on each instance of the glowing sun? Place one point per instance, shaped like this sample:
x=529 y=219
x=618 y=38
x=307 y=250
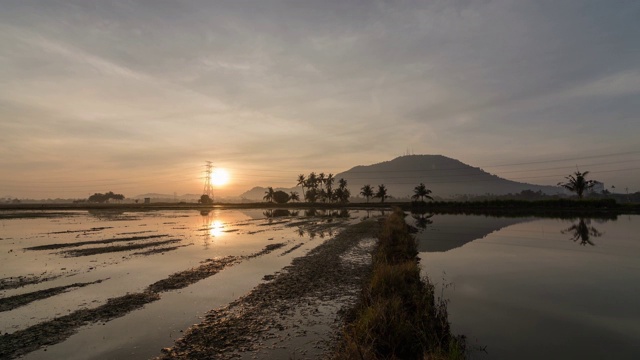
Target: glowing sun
x=219 y=177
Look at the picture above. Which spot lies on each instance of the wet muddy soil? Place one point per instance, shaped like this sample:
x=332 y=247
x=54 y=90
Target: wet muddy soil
x=295 y=314
x=51 y=332
x=64 y=275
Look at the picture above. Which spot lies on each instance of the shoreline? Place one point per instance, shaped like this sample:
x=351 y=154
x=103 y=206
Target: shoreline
x=563 y=208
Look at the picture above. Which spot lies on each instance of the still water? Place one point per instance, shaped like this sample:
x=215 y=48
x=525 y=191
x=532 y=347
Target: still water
x=98 y=255
x=531 y=288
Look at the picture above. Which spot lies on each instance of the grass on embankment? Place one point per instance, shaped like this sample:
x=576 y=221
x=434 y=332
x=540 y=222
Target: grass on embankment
x=397 y=315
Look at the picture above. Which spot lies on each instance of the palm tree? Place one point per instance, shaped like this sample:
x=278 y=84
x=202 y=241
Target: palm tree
x=421 y=192
x=269 y=194
x=322 y=194
x=293 y=196
x=311 y=195
x=367 y=191
x=578 y=183
x=328 y=181
x=342 y=194
x=321 y=179
x=382 y=193
x=301 y=182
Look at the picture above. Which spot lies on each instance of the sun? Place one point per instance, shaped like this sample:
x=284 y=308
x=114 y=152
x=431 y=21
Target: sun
x=219 y=177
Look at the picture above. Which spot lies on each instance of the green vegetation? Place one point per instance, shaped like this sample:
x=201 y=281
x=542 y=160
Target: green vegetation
x=578 y=183
x=342 y=194
x=421 y=192
x=367 y=192
x=320 y=188
x=552 y=204
x=102 y=198
x=398 y=316
x=381 y=193
x=205 y=199
x=280 y=197
x=268 y=195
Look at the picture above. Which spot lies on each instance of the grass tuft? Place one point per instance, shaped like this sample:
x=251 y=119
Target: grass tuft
x=397 y=315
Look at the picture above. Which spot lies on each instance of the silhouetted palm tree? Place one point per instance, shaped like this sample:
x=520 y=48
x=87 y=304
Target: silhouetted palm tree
x=342 y=194
x=578 y=183
x=328 y=182
x=421 y=192
x=367 y=192
x=269 y=194
x=302 y=182
x=311 y=184
x=293 y=196
x=381 y=193
x=322 y=194
x=311 y=195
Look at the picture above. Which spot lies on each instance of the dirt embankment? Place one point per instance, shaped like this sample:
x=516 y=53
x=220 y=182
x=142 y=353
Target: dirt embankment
x=292 y=316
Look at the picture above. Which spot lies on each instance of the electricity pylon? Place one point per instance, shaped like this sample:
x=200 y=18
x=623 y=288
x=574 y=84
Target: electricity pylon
x=208 y=189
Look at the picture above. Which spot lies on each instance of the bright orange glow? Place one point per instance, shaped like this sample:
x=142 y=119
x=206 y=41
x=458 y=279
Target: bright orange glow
x=219 y=177
x=216 y=228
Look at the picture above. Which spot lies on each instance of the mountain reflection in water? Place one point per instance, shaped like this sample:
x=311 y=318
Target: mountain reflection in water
x=525 y=285
x=445 y=232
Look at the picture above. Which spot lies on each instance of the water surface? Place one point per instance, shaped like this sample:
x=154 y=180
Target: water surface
x=530 y=288
x=121 y=252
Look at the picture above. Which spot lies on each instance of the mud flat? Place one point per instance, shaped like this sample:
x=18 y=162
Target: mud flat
x=102 y=282
x=294 y=315
x=56 y=330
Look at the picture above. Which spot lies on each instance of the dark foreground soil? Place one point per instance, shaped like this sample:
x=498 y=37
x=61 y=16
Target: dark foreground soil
x=294 y=315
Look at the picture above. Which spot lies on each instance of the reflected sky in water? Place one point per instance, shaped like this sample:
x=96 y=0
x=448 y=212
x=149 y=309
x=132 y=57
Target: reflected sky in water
x=539 y=288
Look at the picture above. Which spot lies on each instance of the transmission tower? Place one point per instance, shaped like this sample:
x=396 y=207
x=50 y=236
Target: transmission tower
x=208 y=189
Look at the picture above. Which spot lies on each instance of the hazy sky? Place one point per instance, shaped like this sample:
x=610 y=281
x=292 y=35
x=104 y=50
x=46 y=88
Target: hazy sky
x=134 y=96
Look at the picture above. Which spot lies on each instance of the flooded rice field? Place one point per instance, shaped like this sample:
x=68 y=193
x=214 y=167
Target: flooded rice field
x=531 y=288
x=113 y=284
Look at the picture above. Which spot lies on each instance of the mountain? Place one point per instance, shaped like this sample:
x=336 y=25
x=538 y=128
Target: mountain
x=444 y=176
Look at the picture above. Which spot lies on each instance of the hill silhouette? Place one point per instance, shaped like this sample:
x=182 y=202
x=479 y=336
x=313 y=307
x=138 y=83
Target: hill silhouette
x=446 y=177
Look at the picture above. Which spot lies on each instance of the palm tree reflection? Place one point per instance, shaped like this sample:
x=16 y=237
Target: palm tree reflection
x=421 y=219
x=582 y=231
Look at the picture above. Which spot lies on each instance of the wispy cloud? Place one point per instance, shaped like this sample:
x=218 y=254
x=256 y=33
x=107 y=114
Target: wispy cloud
x=310 y=85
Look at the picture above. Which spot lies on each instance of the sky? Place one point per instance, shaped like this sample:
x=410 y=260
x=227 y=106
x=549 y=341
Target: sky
x=134 y=96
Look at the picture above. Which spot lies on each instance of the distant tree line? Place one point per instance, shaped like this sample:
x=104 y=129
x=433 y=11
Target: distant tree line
x=320 y=188
x=205 y=199
x=102 y=198
x=419 y=192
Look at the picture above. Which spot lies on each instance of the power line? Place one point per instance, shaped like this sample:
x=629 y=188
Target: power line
x=567 y=159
